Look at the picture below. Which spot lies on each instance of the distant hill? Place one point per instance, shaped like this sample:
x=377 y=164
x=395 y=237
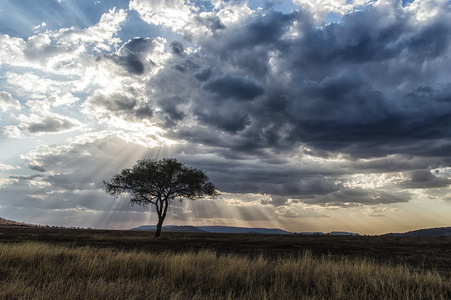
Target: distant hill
x=214 y=229
x=4 y=222
x=432 y=232
x=330 y=233
x=342 y=233
x=231 y=229
x=170 y=228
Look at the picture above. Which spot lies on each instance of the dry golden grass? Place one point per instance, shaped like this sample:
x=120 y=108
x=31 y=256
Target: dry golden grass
x=42 y=271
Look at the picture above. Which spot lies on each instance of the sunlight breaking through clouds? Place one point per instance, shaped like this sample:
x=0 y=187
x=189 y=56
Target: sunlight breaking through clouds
x=307 y=115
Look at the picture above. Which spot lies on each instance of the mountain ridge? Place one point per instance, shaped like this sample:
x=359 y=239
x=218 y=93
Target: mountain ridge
x=234 y=229
x=431 y=232
x=425 y=232
x=215 y=229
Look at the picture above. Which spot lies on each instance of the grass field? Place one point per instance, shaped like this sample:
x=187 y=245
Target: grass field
x=38 y=263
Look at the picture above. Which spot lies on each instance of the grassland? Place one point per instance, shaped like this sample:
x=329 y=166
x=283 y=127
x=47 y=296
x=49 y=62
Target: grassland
x=95 y=264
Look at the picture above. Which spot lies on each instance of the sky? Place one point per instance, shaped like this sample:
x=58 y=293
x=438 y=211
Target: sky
x=307 y=115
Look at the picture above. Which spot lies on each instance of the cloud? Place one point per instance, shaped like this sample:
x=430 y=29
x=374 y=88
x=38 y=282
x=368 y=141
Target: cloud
x=36 y=168
x=321 y=9
x=4 y=167
x=177 y=48
x=132 y=55
x=350 y=197
x=194 y=19
x=234 y=87
x=323 y=82
x=425 y=10
x=51 y=123
x=425 y=179
x=380 y=212
x=275 y=200
x=38 y=48
x=12 y=50
x=121 y=105
x=41 y=91
x=175 y=14
x=72 y=182
x=7 y=101
x=230 y=121
x=284 y=105
x=60 y=49
x=287 y=214
x=279 y=84
x=12 y=131
x=102 y=36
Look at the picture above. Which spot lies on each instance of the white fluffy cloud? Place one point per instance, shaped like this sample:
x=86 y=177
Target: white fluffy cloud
x=190 y=18
x=7 y=101
x=4 y=167
x=63 y=50
x=175 y=14
x=320 y=8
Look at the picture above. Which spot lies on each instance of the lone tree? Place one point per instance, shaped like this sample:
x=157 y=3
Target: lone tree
x=158 y=182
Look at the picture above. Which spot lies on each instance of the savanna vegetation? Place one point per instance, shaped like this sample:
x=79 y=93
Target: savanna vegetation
x=50 y=263
x=36 y=270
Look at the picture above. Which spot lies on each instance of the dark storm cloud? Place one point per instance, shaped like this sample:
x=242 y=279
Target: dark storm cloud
x=432 y=41
x=203 y=74
x=350 y=197
x=186 y=66
x=281 y=180
x=137 y=46
x=130 y=62
x=213 y=23
x=306 y=184
x=425 y=179
x=226 y=120
x=234 y=87
x=177 y=48
x=294 y=186
x=266 y=30
x=170 y=111
x=299 y=84
x=131 y=55
x=373 y=89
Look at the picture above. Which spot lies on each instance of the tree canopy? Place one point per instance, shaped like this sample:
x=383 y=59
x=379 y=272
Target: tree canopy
x=158 y=182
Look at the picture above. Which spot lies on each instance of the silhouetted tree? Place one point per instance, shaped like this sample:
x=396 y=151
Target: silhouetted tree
x=158 y=182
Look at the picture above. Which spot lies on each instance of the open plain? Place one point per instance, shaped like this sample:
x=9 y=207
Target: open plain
x=420 y=253
x=59 y=263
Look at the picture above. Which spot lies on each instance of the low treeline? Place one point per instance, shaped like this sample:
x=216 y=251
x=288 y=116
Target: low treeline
x=34 y=270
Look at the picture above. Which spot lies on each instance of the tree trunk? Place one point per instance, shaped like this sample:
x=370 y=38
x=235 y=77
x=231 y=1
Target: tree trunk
x=159 y=226
x=162 y=209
